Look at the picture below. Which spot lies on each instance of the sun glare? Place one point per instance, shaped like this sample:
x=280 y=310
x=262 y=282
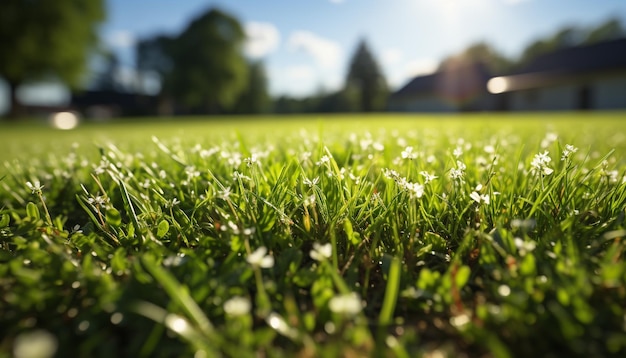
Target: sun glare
x=497 y=85
x=64 y=120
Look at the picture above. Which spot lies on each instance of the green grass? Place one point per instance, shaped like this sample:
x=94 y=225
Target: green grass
x=382 y=235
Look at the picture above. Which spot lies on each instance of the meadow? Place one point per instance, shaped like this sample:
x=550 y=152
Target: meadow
x=494 y=235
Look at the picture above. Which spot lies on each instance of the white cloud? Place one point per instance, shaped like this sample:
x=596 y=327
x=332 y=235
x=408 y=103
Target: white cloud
x=262 y=38
x=121 y=39
x=327 y=53
x=420 y=67
x=391 y=56
x=299 y=73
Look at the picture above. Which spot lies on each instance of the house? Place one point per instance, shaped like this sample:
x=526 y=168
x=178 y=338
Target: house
x=575 y=78
x=103 y=104
x=460 y=87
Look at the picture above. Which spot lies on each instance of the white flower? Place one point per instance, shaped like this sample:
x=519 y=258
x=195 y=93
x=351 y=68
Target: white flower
x=408 y=153
x=192 y=172
x=539 y=164
x=172 y=203
x=567 y=152
x=321 y=252
x=259 y=259
x=524 y=247
x=224 y=194
x=323 y=160
x=97 y=200
x=428 y=177
x=34 y=187
x=310 y=183
x=251 y=160
x=415 y=190
x=477 y=197
x=237 y=306
x=457 y=152
x=348 y=304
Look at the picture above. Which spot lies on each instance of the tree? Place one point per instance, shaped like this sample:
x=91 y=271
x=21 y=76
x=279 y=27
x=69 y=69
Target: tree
x=366 y=79
x=254 y=99
x=571 y=36
x=41 y=39
x=203 y=68
x=609 y=30
x=480 y=52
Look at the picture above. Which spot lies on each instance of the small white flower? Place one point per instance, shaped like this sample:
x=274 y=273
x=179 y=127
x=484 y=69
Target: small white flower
x=237 y=306
x=477 y=197
x=321 y=252
x=310 y=183
x=97 y=200
x=524 y=247
x=408 y=153
x=192 y=172
x=252 y=160
x=415 y=190
x=259 y=258
x=224 y=194
x=568 y=151
x=323 y=160
x=172 y=203
x=35 y=187
x=457 y=152
x=428 y=177
x=539 y=164
x=347 y=304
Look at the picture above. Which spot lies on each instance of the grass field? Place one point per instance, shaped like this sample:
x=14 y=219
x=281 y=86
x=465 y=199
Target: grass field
x=380 y=235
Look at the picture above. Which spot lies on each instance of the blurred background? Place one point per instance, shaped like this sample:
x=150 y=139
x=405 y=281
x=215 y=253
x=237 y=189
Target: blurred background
x=110 y=58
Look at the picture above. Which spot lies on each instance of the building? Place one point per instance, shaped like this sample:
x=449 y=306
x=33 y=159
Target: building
x=453 y=89
x=576 y=78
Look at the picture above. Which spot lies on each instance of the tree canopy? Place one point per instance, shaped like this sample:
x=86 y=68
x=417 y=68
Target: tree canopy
x=366 y=81
x=46 y=38
x=203 y=68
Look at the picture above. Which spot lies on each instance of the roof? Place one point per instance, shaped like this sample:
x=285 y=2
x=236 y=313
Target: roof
x=564 y=66
x=600 y=56
x=454 y=83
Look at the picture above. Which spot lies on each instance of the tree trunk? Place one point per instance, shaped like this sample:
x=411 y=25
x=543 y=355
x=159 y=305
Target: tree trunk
x=16 y=110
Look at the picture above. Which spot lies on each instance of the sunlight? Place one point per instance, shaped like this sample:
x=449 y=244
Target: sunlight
x=64 y=120
x=498 y=85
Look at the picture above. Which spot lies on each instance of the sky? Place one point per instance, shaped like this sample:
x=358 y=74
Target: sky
x=306 y=45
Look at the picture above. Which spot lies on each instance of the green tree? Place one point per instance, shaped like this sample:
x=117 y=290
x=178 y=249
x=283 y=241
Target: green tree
x=609 y=30
x=480 y=52
x=254 y=98
x=367 y=80
x=203 y=68
x=40 y=39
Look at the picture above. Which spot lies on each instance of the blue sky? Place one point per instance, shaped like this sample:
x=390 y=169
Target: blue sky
x=306 y=45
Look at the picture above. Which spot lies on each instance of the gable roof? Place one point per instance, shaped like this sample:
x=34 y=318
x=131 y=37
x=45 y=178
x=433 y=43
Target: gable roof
x=601 y=56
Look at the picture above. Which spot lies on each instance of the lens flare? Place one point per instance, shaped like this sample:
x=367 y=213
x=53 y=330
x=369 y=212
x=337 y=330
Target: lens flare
x=64 y=120
x=497 y=85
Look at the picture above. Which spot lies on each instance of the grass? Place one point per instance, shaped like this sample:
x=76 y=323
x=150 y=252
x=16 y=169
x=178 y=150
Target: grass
x=478 y=235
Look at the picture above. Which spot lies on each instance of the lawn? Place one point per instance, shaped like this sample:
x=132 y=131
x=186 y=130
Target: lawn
x=362 y=235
